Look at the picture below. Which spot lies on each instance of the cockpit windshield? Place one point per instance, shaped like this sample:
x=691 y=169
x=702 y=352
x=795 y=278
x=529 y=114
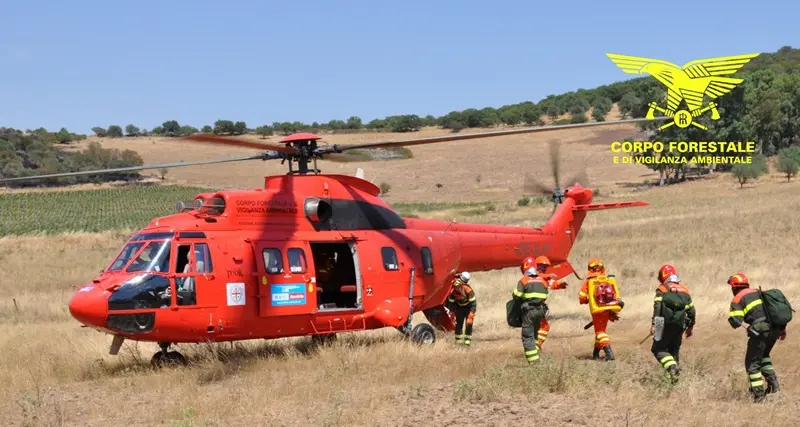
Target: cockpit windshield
x=127 y=253
x=154 y=258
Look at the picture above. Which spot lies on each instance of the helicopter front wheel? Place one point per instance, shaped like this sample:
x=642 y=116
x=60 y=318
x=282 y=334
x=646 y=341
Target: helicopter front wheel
x=169 y=358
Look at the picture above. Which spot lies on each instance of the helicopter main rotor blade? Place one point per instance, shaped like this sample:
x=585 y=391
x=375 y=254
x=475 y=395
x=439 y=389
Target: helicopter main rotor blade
x=434 y=139
x=265 y=156
x=239 y=142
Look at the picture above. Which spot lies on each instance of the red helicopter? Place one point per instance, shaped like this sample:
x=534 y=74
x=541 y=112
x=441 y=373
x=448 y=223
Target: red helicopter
x=309 y=254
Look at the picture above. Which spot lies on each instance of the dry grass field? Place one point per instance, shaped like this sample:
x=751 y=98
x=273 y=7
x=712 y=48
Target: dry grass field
x=55 y=373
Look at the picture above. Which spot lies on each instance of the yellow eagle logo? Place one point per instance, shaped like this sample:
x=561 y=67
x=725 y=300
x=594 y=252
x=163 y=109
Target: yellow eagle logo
x=690 y=83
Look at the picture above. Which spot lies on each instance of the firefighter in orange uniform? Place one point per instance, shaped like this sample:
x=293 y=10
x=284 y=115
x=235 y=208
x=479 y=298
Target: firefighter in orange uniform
x=600 y=291
x=463 y=303
x=542 y=264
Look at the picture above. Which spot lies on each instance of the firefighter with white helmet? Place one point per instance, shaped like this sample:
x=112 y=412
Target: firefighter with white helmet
x=463 y=303
x=531 y=293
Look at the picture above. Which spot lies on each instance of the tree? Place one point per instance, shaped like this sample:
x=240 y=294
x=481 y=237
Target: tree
x=187 y=130
x=240 y=128
x=750 y=171
x=264 y=131
x=789 y=162
x=131 y=130
x=101 y=132
x=114 y=131
x=171 y=128
x=208 y=129
x=354 y=122
x=223 y=127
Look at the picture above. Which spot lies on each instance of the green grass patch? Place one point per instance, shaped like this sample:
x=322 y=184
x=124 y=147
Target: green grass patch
x=89 y=210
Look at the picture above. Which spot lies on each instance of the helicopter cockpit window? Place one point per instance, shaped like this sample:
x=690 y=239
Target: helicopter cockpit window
x=297 y=260
x=427 y=260
x=125 y=255
x=202 y=258
x=154 y=258
x=389 y=256
x=273 y=261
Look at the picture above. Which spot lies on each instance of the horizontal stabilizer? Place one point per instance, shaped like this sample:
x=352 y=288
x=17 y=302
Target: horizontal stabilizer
x=560 y=269
x=601 y=206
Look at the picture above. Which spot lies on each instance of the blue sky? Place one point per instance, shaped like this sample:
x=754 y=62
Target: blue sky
x=86 y=63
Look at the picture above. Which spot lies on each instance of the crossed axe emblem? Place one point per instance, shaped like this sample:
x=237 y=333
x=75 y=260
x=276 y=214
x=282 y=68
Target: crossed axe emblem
x=683 y=118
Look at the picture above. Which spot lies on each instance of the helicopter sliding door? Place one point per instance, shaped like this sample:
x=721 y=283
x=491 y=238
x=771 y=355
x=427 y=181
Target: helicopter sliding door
x=285 y=283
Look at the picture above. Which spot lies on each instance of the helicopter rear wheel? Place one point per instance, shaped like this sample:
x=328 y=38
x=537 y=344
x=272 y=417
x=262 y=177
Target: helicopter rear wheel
x=423 y=334
x=169 y=358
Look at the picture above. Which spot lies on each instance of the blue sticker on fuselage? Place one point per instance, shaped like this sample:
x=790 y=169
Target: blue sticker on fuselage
x=288 y=294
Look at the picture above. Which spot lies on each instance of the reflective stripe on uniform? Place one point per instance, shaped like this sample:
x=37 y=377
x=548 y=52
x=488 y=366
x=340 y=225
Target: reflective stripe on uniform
x=530 y=295
x=736 y=313
x=766 y=365
x=657 y=299
x=532 y=355
x=668 y=361
x=751 y=305
x=472 y=299
x=583 y=294
x=756 y=380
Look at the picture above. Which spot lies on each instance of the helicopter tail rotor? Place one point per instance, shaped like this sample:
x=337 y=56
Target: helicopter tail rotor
x=531 y=186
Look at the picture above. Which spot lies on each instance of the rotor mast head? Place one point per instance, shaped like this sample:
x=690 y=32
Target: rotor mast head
x=306 y=146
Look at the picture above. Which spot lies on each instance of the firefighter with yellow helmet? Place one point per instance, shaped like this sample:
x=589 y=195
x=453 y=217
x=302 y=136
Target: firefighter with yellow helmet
x=601 y=292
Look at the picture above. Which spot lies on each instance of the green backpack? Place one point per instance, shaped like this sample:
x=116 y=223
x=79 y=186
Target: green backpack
x=673 y=308
x=514 y=313
x=778 y=309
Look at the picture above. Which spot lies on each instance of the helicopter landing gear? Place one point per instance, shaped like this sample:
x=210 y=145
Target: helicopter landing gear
x=423 y=334
x=167 y=358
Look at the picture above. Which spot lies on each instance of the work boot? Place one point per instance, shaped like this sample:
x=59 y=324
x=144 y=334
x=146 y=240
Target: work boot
x=772 y=385
x=596 y=354
x=674 y=373
x=758 y=394
x=609 y=352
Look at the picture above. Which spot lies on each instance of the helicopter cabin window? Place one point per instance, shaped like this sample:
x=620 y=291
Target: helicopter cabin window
x=297 y=260
x=188 y=268
x=273 y=261
x=389 y=256
x=427 y=260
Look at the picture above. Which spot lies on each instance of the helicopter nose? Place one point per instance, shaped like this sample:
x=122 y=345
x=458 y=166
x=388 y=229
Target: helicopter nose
x=89 y=306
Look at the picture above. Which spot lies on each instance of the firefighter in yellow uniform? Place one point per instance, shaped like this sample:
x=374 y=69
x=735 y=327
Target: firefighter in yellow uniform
x=463 y=302
x=601 y=292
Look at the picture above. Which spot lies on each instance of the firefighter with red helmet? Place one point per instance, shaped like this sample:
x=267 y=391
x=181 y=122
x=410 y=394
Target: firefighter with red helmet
x=747 y=307
x=542 y=264
x=673 y=314
x=601 y=292
x=531 y=294
x=463 y=303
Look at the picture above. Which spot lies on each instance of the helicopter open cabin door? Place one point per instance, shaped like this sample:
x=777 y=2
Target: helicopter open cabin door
x=285 y=283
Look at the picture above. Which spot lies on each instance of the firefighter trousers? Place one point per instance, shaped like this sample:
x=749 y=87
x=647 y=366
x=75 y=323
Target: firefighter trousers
x=667 y=350
x=759 y=364
x=464 y=318
x=600 y=320
x=531 y=320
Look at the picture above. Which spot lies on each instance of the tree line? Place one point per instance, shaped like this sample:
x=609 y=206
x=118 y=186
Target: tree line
x=765 y=108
